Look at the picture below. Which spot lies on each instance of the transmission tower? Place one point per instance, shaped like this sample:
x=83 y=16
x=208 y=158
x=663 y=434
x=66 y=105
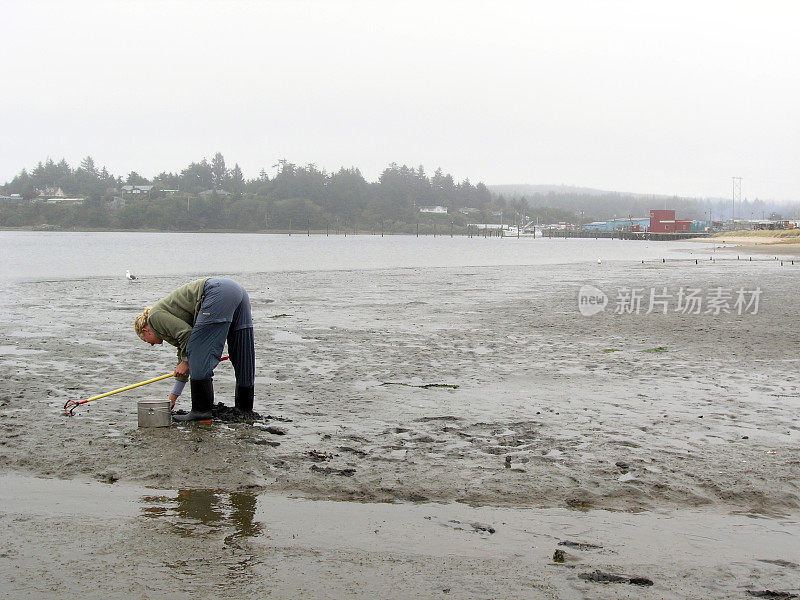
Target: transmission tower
x=737 y=195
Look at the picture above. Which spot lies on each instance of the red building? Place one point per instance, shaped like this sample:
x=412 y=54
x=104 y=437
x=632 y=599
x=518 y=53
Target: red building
x=664 y=221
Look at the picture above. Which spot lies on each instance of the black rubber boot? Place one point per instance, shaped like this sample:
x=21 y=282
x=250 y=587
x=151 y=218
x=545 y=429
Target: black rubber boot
x=202 y=401
x=244 y=398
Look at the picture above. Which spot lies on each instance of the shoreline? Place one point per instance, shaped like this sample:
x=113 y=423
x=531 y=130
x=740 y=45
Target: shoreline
x=255 y=232
x=733 y=239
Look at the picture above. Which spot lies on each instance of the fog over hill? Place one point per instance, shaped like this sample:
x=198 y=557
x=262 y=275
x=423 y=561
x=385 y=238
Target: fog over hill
x=530 y=189
x=590 y=203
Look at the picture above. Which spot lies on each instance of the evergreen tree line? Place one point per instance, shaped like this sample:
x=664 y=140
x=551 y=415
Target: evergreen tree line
x=210 y=196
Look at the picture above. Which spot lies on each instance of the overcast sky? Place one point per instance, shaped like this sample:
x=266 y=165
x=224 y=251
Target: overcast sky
x=654 y=97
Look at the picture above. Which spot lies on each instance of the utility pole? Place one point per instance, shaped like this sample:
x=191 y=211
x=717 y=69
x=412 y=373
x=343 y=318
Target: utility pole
x=737 y=195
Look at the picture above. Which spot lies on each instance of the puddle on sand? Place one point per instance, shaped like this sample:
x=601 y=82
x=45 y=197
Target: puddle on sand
x=179 y=541
x=232 y=511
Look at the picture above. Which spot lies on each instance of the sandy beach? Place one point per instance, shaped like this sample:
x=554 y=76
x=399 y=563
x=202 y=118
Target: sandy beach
x=764 y=242
x=445 y=393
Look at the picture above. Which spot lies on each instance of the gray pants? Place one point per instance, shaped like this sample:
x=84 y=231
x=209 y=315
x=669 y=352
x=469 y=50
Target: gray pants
x=224 y=315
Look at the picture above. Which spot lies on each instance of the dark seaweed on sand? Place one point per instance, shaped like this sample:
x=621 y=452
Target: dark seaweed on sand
x=425 y=386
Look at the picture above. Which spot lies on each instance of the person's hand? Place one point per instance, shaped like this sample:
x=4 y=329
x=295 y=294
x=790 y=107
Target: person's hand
x=182 y=370
x=172 y=399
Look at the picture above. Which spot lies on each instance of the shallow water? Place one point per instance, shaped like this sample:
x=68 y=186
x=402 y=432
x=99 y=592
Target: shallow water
x=76 y=255
x=171 y=543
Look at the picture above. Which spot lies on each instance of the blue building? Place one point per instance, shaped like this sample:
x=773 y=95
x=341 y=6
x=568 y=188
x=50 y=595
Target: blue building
x=596 y=226
x=626 y=224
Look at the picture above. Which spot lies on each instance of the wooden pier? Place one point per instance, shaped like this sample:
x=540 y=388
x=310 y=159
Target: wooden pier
x=623 y=235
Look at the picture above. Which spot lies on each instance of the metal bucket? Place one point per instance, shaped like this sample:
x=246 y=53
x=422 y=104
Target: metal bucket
x=154 y=413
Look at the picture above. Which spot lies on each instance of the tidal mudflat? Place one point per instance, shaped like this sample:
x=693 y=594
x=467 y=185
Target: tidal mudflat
x=432 y=405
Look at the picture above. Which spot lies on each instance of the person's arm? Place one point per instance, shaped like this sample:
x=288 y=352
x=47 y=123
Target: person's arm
x=177 y=390
x=181 y=377
x=182 y=372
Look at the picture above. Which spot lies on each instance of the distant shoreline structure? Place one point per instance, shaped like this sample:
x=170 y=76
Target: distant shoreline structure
x=744 y=238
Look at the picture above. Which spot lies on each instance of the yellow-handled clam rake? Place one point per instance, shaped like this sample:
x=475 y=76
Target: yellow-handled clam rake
x=71 y=405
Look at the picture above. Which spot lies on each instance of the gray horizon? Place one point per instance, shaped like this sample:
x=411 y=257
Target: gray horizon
x=662 y=99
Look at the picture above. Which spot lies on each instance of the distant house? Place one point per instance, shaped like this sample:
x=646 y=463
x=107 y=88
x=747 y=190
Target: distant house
x=437 y=210
x=11 y=198
x=208 y=193
x=170 y=191
x=52 y=192
x=469 y=211
x=136 y=189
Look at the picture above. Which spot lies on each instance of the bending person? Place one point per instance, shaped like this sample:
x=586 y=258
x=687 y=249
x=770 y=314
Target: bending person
x=197 y=319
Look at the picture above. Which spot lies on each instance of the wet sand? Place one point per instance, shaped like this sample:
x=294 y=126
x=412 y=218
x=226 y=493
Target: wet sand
x=553 y=411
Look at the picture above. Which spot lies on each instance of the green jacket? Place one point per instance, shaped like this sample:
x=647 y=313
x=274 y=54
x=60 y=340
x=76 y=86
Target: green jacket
x=173 y=317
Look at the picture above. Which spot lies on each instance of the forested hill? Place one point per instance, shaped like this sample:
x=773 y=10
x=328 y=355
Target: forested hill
x=210 y=195
x=603 y=204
